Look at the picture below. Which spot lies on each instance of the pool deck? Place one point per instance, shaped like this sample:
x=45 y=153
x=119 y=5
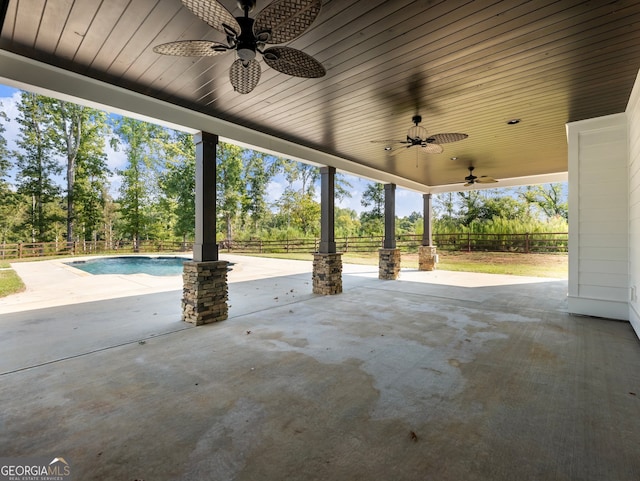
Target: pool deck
x=439 y=375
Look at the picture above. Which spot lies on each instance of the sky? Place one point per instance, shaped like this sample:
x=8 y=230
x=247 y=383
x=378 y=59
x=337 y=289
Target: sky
x=406 y=201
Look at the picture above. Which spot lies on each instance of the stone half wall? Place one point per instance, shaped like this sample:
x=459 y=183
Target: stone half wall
x=327 y=273
x=205 y=292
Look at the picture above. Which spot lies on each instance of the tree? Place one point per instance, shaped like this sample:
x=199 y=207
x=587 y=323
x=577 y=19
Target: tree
x=229 y=186
x=373 y=197
x=178 y=184
x=4 y=155
x=143 y=142
x=36 y=164
x=444 y=206
x=78 y=135
x=12 y=209
x=372 y=220
x=470 y=202
x=302 y=213
x=304 y=174
x=347 y=223
x=259 y=169
x=503 y=207
x=410 y=224
x=549 y=198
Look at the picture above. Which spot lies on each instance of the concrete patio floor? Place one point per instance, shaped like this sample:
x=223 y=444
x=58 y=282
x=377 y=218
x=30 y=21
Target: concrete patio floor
x=439 y=375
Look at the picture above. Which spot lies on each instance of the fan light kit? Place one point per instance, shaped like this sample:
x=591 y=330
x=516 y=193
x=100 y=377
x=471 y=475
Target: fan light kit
x=417 y=136
x=279 y=22
x=472 y=179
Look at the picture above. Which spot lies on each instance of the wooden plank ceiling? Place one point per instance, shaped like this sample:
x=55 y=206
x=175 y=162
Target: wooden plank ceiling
x=465 y=66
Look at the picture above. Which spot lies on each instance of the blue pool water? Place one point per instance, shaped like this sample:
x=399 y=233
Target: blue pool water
x=155 y=266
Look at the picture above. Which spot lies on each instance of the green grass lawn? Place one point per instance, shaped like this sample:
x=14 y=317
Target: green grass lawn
x=534 y=265
x=10 y=283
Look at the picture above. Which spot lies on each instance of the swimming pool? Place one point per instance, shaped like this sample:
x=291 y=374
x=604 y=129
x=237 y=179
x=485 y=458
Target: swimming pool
x=154 y=266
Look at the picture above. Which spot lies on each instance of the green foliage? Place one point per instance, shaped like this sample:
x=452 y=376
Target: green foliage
x=12 y=205
x=78 y=136
x=373 y=197
x=259 y=169
x=412 y=224
x=372 y=220
x=491 y=211
x=347 y=223
x=229 y=186
x=178 y=185
x=549 y=199
x=36 y=166
x=143 y=144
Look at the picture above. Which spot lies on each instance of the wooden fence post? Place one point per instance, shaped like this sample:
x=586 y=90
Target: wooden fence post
x=468 y=241
x=526 y=243
x=19 y=250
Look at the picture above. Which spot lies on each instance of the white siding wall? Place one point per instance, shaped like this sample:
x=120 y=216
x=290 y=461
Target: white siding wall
x=633 y=115
x=598 y=217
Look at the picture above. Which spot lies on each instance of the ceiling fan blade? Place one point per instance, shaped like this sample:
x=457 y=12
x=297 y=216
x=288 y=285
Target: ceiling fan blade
x=390 y=141
x=468 y=184
x=431 y=148
x=293 y=62
x=213 y=13
x=191 y=48
x=285 y=20
x=244 y=77
x=446 y=138
x=396 y=150
x=485 y=179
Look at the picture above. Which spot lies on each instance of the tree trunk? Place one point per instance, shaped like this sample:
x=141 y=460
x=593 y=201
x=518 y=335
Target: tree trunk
x=229 y=233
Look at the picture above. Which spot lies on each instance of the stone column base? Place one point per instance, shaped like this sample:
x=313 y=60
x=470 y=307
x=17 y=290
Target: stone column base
x=427 y=258
x=389 y=265
x=327 y=273
x=204 y=294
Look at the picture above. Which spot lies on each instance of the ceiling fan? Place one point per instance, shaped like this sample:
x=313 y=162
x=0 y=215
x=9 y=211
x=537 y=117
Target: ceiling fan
x=279 y=22
x=418 y=136
x=472 y=179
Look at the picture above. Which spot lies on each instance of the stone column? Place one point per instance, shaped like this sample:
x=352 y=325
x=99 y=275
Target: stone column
x=389 y=265
x=389 y=255
x=327 y=273
x=327 y=263
x=204 y=297
x=427 y=256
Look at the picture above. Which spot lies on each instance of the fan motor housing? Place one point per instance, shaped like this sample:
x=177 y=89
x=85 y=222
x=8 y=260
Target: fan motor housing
x=246 y=41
